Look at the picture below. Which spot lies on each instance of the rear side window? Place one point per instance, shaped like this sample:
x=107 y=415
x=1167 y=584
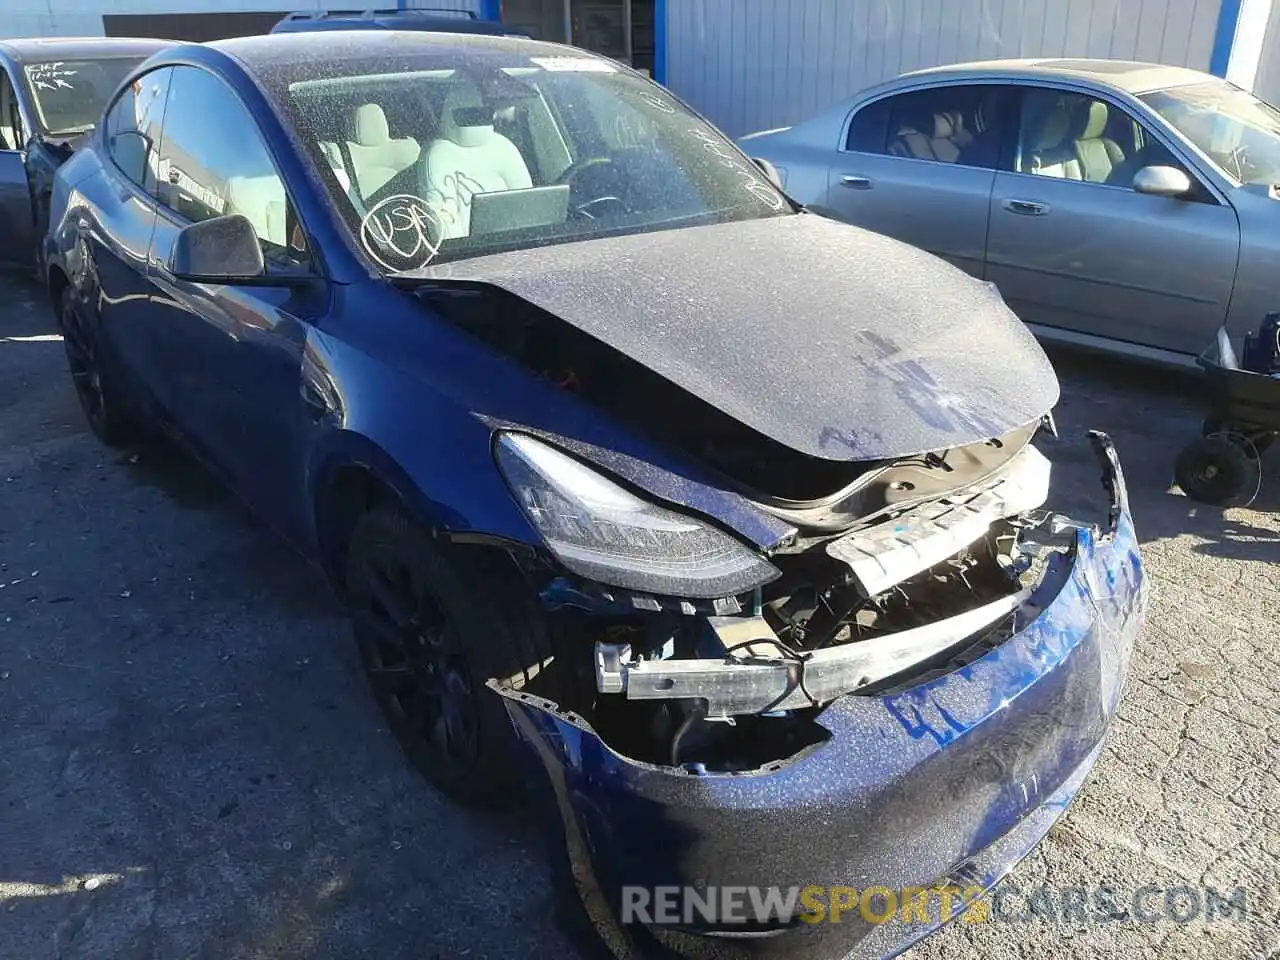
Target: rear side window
x=869 y=129
x=961 y=124
x=132 y=131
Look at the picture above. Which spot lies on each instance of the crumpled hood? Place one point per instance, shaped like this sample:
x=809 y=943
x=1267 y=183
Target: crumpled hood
x=831 y=340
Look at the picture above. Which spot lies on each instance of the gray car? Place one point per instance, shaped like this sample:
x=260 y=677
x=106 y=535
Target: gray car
x=1123 y=206
x=51 y=94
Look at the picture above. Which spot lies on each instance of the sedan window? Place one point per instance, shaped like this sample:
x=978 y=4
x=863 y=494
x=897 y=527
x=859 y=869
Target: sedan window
x=1071 y=136
x=69 y=94
x=949 y=124
x=1239 y=132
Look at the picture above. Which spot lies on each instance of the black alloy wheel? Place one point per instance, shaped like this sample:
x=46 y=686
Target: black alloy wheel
x=414 y=661
x=102 y=404
x=435 y=622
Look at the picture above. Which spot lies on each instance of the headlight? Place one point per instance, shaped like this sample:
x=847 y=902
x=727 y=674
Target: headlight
x=600 y=531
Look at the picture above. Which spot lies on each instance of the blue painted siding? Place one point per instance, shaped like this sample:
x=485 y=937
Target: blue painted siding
x=660 y=40
x=1224 y=38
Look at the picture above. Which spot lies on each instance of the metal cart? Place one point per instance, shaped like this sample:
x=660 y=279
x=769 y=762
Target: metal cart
x=1223 y=467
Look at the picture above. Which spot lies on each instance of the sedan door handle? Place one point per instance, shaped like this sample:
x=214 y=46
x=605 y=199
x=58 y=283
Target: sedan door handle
x=855 y=182
x=1028 y=208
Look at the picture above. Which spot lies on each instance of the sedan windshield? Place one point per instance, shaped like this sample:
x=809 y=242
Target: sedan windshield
x=429 y=163
x=69 y=94
x=1235 y=129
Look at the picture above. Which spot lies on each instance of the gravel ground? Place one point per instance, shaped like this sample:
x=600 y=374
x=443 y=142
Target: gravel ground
x=193 y=767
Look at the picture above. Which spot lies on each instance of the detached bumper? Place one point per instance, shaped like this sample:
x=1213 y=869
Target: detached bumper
x=952 y=781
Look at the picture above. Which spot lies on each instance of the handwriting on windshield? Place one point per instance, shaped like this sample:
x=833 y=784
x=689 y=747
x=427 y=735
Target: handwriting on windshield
x=631 y=132
x=401 y=233
x=750 y=182
x=657 y=102
x=51 y=76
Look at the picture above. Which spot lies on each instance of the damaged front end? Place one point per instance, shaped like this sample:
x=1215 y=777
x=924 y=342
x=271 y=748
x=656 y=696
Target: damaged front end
x=910 y=698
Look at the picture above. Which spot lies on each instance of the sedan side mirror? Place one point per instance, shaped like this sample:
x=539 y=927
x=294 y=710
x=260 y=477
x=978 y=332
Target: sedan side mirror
x=770 y=172
x=1162 y=181
x=219 y=250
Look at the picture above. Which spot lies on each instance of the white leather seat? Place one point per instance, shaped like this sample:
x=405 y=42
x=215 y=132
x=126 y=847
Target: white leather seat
x=1098 y=154
x=469 y=157
x=375 y=156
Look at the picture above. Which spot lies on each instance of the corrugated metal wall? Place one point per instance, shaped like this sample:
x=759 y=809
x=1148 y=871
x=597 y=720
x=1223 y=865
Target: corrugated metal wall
x=754 y=64
x=1267 y=83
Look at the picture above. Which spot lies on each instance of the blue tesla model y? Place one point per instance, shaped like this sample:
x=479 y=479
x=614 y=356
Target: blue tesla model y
x=716 y=525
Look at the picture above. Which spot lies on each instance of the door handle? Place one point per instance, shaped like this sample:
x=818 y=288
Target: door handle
x=855 y=182
x=1028 y=208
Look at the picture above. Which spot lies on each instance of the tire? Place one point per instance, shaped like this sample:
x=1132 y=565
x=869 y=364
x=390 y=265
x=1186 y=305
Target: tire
x=1215 y=470
x=433 y=623
x=1258 y=441
x=101 y=400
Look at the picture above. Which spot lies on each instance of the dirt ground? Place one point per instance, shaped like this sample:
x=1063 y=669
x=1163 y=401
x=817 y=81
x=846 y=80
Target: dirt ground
x=192 y=765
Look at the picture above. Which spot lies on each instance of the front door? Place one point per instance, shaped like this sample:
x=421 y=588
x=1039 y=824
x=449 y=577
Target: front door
x=919 y=166
x=17 y=237
x=1072 y=246
x=233 y=354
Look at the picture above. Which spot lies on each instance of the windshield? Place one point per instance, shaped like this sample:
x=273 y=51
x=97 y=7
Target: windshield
x=69 y=94
x=1235 y=129
x=442 y=162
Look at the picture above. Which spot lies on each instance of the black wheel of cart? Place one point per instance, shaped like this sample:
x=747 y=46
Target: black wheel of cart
x=1251 y=440
x=1215 y=470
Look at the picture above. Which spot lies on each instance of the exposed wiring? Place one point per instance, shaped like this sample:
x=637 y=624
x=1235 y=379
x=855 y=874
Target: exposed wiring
x=795 y=660
x=696 y=712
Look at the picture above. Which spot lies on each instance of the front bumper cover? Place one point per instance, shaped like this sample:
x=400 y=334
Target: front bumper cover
x=958 y=777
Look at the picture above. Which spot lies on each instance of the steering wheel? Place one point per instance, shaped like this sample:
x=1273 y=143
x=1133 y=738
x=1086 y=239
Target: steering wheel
x=593 y=208
x=1239 y=156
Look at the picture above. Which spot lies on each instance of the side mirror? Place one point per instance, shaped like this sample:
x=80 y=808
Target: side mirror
x=219 y=250
x=1161 y=181
x=770 y=172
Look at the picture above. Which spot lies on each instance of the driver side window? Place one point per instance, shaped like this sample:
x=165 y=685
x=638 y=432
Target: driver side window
x=1072 y=136
x=203 y=172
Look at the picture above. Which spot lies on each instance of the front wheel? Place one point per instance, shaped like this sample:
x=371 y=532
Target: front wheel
x=433 y=623
x=103 y=404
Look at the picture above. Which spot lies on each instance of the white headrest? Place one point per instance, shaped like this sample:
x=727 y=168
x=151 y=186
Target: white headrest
x=371 y=126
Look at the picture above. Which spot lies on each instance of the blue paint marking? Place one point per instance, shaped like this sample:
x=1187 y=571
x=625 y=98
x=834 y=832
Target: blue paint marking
x=491 y=10
x=1225 y=38
x=660 y=41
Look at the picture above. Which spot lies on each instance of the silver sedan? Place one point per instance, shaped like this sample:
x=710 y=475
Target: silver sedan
x=1123 y=206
